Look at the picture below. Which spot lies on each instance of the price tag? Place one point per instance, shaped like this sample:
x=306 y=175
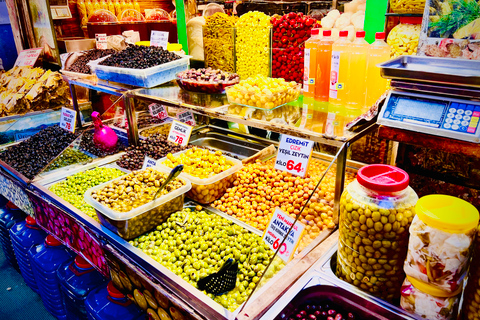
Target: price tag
x=187 y=117
x=180 y=133
x=68 y=119
x=158 y=111
x=293 y=155
x=101 y=39
x=149 y=163
x=276 y=232
x=159 y=39
x=28 y=57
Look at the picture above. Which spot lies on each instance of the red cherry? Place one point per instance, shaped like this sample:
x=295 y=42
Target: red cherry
x=292 y=15
x=310 y=22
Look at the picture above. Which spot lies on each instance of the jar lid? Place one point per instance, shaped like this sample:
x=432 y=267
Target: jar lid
x=447 y=213
x=174 y=47
x=52 y=241
x=82 y=263
x=383 y=178
x=432 y=290
x=114 y=292
x=31 y=221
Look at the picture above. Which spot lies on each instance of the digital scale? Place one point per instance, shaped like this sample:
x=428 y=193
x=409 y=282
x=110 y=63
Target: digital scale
x=425 y=98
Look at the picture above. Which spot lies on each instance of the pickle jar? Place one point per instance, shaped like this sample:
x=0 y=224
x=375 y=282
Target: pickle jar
x=471 y=296
x=407 y=6
x=375 y=213
x=403 y=38
x=428 y=301
x=441 y=240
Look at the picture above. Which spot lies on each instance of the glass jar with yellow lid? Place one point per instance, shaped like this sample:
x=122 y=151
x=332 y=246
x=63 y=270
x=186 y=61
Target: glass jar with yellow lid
x=441 y=240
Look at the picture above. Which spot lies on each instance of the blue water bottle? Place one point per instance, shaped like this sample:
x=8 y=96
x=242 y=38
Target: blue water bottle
x=9 y=216
x=77 y=279
x=46 y=261
x=107 y=303
x=25 y=235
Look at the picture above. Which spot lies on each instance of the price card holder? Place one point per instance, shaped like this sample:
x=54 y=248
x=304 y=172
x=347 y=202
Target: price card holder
x=159 y=39
x=101 y=39
x=187 y=117
x=158 y=111
x=149 y=163
x=179 y=133
x=293 y=155
x=28 y=57
x=276 y=232
x=68 y=119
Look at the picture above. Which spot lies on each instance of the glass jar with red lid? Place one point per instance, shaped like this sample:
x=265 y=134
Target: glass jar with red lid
x=375 y=213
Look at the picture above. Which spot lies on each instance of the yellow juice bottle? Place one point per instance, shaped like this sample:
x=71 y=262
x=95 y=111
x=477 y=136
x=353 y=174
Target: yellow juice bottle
x=339 y=70
x=378 y=52
x=358 y=68
x=310 y=64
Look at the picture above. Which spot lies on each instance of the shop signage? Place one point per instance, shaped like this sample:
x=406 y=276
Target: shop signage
x=293 y=155
x=180 y=133
x=28 y=57
x=149 y=163
x=158 y=111
x=101 y=39
x=187 y=117
x=68 y=119
x=159 y=39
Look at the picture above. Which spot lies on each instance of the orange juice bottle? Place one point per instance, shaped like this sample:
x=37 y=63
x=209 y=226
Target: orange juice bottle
x=310 y=64
x=324 y=62
x=358 y=68
x=378 y=52
x=339 y=70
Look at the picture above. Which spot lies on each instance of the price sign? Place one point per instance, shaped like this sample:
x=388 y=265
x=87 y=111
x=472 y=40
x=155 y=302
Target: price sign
x=68 y=119
x=159 y=39
x=149 y=163
x=277 y=230
x=158 y=111
x=180 y=133
x=187 y=117
x=101 y=39
x=293 y=155
x=28 y=57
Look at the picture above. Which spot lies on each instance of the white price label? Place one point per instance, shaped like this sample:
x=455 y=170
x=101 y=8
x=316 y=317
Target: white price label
x=158 y=111
x=159 y=39
x=101 y=39
x=180 y=133
x=293 y=155
x=68 y=119
x=149 y=163
x=28 y=57
x=187 y=117
x=277 y=230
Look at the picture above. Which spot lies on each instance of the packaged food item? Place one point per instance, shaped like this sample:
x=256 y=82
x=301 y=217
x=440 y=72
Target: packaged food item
x=471 y=296
x=375 y=212
x=403 y=38
x=219 y=42
x=407 y=6
x=441 y=239
x=429 y=302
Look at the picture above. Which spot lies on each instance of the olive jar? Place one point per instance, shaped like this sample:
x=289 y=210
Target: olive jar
x=471 y=296
x=375 y=213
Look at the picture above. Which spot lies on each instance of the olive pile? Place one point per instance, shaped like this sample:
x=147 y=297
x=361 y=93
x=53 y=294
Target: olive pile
x=196 y=243
x=30 y=156
x=140 y=57
x=80 y=65
x=88 y=145
x=162 y=129
x=68 y=157
x=320 y=311
x=73 y=188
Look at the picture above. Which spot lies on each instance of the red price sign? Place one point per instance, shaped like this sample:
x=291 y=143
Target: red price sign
x=187 y=117
x=158 y=111
x=293 y=155
x=179 y=133
x=28 y=57
x=68 y=119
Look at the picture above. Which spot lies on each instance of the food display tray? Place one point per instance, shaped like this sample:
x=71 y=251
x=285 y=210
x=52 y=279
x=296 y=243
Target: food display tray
x=167 y=121
x=147 y=78
x=433 y=70
x=227 y=89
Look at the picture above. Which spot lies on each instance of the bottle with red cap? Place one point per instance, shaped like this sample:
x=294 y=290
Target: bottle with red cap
x=77 y=279
x=378 y=52
x=107 y=303
x=340 y=70
x=46 y=259
x=25 y=235
x=376 y=211
x=9 y=216
x=358 y=67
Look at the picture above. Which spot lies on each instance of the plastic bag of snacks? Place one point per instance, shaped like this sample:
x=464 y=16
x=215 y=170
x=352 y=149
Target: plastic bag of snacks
x=407 y=6
x=441 y=239
x=403 y=38
x=375 y=212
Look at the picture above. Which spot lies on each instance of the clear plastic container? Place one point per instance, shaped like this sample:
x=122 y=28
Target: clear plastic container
x=375 y=212
x=147 y=78
x=441 y=241
x=429 y=302
x=407 y=6
x=403 y=38
x=139 y=220
x=162 y=128
x=208 y=190
x=186 y=82
x=9 y=216
x=219 y=47
x=471 y=296
x=77 y=279
x=25 y=235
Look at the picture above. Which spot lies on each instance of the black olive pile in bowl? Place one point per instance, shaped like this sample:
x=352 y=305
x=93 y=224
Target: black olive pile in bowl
x=206 y=80
x=139 y=57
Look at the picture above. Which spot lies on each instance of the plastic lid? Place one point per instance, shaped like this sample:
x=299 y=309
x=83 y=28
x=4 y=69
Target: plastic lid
x=431 y=290
x=380 y=36
x=174 y=47
x=113 y=292
x=360 y=34
x=327 y=33
x=314 y=32
x=343 y=33
x=31 y=221
x=383 y=178
x=52 y=241
x=82 y=263
x=11 y=205
x=447 y=213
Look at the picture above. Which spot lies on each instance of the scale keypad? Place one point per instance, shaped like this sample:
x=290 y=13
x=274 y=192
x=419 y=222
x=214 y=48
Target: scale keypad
x=462 y=118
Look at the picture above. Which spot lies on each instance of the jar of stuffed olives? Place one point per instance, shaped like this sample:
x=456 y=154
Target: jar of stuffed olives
x=375 y=213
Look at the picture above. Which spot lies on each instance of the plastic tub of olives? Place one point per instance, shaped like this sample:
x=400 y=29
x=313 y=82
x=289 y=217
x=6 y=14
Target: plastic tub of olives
x=210 y=189
x=137 y=221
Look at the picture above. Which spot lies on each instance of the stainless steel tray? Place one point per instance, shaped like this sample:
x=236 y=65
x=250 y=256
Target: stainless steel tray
x=434 y=70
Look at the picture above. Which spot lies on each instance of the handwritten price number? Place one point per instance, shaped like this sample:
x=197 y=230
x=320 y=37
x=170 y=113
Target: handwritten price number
x=178 y=140
x=292 y=166
x=283 y=249
x=68 y=126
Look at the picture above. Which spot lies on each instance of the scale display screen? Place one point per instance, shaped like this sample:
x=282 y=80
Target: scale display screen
x=420 y=109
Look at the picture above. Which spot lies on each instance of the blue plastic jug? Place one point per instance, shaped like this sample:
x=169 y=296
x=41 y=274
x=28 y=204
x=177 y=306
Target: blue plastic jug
x=107 y=303
x=46 y=261
x=77 y=279
x=9 y=216
x=25 y=235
